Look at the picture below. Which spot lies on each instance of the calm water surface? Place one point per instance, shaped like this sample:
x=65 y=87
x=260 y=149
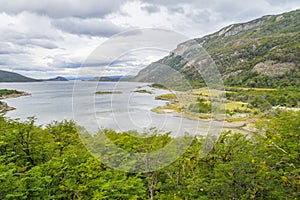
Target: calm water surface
x=56 y=101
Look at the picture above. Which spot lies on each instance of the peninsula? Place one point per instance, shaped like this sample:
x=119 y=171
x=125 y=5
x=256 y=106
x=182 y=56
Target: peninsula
x=5 y=94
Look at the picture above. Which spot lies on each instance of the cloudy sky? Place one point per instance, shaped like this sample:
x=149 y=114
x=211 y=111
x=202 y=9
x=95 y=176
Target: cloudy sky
x=46 y=38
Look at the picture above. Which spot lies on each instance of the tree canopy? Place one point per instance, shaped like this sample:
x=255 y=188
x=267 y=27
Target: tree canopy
x=51 y=162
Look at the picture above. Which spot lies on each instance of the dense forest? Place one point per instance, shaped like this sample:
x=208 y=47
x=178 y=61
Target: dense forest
x=51 y=162
x=266 y=99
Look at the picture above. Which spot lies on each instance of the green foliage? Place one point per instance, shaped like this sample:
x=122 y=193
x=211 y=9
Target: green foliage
x=200 y=107
x=52 y=163
x=167 y=97
x=159 y=86
x=265 y=99
x=5 y=92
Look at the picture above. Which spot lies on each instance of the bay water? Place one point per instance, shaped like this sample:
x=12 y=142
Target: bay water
x=76 y=100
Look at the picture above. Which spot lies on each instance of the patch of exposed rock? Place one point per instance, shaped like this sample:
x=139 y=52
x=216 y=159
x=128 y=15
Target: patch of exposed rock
x=272 y=68
x=232 y=74
x=235 y=29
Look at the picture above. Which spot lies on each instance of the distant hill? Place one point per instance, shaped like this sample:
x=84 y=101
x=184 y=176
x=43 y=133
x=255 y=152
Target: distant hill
x=6 y=76
x=261 y=53
x=59 y=78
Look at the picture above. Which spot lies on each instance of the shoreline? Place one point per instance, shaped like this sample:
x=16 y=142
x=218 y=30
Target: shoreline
x=238 y=124
x=4 y=107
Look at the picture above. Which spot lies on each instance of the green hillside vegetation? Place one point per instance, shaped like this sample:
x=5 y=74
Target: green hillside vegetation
x=108 y=92
x=262 y=53
x=52 y=163
x=5 y=92
x=143 y=91
x=265 y=99
x=240 y=104
x=14 y=77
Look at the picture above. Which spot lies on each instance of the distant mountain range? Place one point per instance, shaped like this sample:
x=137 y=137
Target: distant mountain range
x=6 y=76
x=261 y=53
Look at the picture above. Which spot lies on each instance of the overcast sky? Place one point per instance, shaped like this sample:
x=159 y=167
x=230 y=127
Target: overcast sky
x=47 y=38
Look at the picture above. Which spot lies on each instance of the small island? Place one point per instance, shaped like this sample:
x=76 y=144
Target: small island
x=167 y=97
x=143 y=91
x=158 y=86
x=58 y=78
x=108 y=92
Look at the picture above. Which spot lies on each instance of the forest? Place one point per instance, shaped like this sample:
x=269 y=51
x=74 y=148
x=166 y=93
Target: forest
x=51 y=162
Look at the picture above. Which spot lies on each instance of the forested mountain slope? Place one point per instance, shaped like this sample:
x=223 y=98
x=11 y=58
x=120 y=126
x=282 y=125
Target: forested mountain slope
x=261 y=53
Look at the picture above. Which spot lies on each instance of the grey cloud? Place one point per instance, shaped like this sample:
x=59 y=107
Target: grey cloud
x=237 y=12
x=176 y=9
x=93 y=27
x=21 y=40
x=230 y=10
x=8 y=48
x=111 y=64
x=202 y=16
x=29 y=30
x=15 y=61
x=31 y=69
x=61 y=62
x=66 y=65
x=151 y=9
x=61 y=9
x=46 y=44
x=280 y=2
x=2 y=63
x=16 y=35
x=131 y=33
x=167 y=2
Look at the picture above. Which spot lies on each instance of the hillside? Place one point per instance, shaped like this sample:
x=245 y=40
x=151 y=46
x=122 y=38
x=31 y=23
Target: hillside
x=261 y=53
x=6 y=76
x=58 y=78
